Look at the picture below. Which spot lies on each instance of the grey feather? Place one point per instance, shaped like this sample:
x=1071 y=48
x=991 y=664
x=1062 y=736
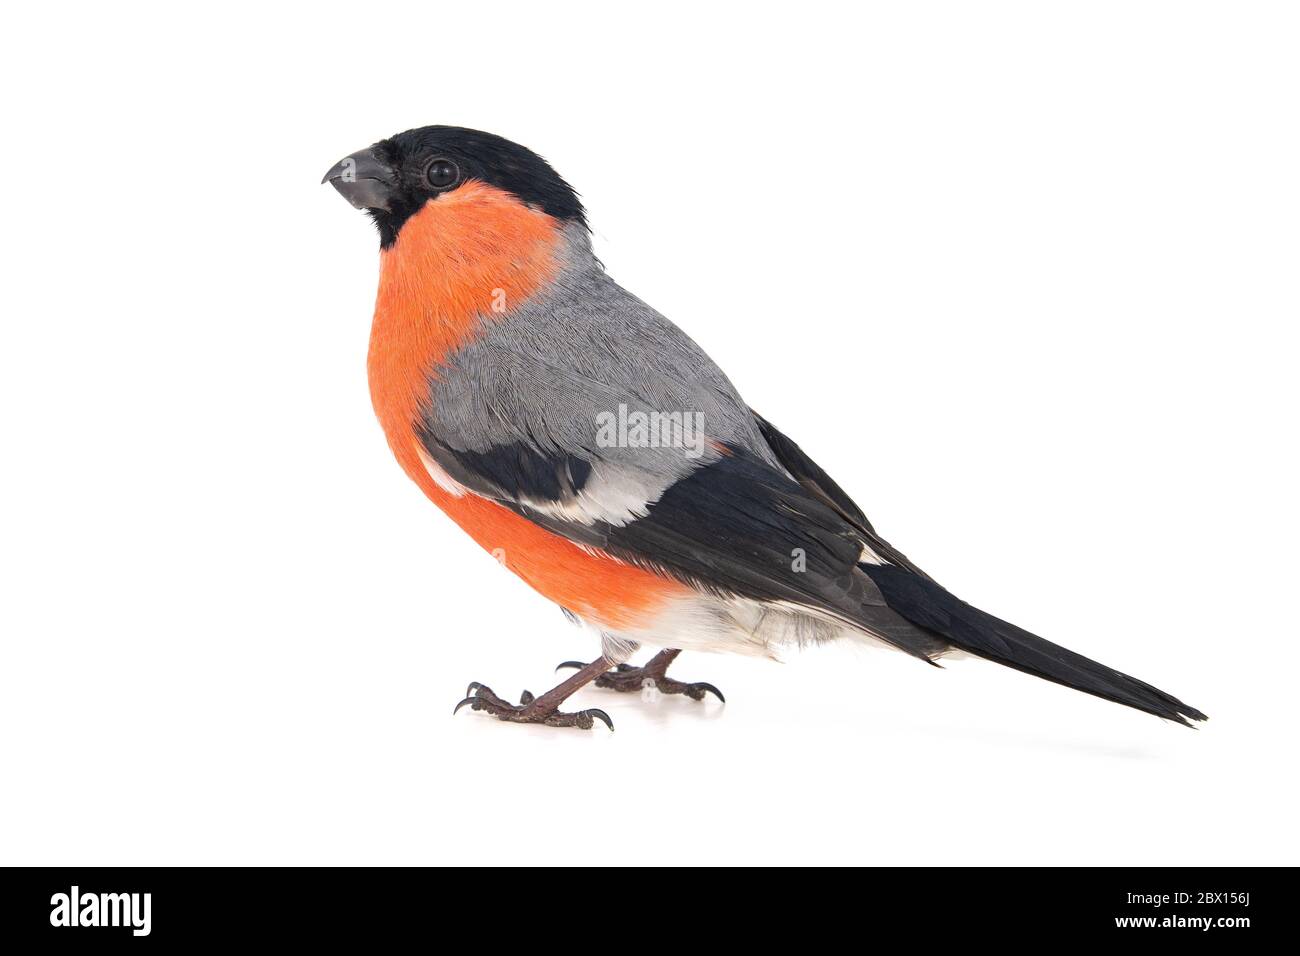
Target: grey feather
x=544 y=372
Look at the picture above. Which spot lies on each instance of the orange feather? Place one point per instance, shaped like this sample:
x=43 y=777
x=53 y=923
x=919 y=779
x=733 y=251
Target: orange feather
x=438 y=281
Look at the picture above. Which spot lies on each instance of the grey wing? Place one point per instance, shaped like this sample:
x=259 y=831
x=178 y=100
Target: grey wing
x=546 y=402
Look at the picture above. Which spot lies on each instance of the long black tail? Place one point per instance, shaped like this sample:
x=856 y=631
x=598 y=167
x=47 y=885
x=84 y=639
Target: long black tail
x=928 y=605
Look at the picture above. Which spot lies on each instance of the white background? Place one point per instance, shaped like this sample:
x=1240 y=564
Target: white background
x=1023 y=277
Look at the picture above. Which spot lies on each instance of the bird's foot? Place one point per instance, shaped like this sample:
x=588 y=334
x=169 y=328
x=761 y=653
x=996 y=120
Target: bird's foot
x=651 y=678
x=529 y=710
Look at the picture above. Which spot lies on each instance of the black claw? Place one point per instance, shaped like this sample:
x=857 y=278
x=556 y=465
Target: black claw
x=473 y=686
x=600 y=715
x=467 y=700
x=526 y=697
x=576 y=665
x=713 y=690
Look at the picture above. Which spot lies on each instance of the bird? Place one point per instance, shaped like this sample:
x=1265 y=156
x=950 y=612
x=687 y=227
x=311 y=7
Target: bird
x=589 y=444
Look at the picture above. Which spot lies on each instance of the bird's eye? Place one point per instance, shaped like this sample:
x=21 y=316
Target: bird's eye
x=441 y=173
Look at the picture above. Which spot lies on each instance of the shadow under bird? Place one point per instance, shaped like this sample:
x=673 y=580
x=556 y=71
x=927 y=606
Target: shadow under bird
x=596 y=450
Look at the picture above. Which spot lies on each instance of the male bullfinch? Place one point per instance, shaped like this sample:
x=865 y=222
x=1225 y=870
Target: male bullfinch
x=586 y=441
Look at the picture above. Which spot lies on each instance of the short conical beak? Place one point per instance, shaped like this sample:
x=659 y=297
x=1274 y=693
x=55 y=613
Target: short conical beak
x=363 y=179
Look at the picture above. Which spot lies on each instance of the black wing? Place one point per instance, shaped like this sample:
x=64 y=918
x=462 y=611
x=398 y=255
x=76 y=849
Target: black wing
x=809 y=474
x=736 y=525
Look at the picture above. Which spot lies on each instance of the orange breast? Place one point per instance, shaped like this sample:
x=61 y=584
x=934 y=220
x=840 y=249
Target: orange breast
x=450 y=262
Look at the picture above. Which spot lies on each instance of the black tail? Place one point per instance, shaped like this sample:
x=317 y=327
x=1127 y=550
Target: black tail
x=928 y=605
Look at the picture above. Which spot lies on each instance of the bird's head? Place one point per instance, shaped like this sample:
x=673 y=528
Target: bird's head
x=398 y=177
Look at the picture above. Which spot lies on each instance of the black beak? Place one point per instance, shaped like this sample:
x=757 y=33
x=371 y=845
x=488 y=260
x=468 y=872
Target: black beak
x=363 y=179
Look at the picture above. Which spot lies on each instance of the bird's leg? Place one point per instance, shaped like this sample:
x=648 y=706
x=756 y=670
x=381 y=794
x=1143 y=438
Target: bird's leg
x=544 y=709
x=628 y=679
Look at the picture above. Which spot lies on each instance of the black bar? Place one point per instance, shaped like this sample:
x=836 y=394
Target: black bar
x=1219 y=906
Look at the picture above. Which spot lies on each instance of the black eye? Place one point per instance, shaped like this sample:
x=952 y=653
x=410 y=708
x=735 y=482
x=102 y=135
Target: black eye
x=441 y=173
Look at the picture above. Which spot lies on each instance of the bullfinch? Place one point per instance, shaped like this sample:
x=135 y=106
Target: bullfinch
x=601 y=455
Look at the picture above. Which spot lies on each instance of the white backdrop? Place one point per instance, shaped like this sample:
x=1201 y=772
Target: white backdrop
x=1022 y=277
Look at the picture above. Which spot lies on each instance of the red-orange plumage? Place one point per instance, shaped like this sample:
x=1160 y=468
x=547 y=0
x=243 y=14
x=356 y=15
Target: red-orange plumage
x=454 y=259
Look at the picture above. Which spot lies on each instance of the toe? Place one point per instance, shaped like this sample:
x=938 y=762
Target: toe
x=702 y=687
